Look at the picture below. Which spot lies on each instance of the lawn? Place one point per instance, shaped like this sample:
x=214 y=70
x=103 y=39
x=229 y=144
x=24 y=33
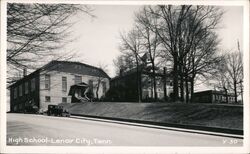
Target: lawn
x=219 y=116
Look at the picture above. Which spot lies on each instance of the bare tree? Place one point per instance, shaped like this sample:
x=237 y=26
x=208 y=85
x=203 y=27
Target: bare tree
x=151 y=42
x=36 y=31
x=186 y=36
x=183 y=30
x=229 y=74
x=131 y=44
x=168 y=31
x=100 y=79
x=201 y=63
x=235 y=72
x=123 y=63
x=221 y=77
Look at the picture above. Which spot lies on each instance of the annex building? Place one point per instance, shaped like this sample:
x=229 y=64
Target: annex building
x=51 y=83
x=124 y=87
x=213 y=97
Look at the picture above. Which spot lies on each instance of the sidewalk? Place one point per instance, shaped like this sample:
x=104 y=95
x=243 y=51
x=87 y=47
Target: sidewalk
x=167 y=126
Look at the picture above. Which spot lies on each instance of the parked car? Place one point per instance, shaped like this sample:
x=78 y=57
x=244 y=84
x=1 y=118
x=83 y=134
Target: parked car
x=56 y=110
x=31 y=109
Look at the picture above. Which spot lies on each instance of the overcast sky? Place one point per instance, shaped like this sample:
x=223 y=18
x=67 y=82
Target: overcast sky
x=98 y=38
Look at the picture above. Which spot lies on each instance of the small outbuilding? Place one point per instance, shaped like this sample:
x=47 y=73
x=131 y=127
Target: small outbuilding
x=212 y=96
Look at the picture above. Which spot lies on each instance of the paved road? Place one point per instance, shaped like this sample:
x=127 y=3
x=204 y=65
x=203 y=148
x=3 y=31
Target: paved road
x=24 y=129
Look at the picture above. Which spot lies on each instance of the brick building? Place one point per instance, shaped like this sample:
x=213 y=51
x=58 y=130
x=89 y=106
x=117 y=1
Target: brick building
x=123 y=88
x=51 y=83
x=212 y=96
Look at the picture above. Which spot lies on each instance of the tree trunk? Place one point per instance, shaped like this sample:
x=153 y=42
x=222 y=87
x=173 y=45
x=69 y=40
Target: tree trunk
x=154 y=82
x=235 y=92
x=192 y=82
x=165 y=84
x=241 y=91
x=226 y=94
x=181 y=82
x=175 y=80
x=140 y=85
x=138 y=81
x=97 y=89
x=192 y=89
x=187 y=90
x=97 y=93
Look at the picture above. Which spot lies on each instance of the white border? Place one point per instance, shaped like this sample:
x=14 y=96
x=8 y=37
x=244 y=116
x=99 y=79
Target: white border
x=125 y=149
x=137 y=2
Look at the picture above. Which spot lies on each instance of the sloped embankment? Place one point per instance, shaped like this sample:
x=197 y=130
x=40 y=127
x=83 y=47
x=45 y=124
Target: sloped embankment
x=208 y=115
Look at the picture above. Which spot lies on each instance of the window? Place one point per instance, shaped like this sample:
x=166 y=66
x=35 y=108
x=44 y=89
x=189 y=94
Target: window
x=78 y=79
x=64 y=83
x=15 y=108
x=20 y=107
x=149 y=93
x=20 y=90
x=64 y=99
x=104 y=88
x=33 y=84
x=47 y=81
x=47 y=98
x=15 y=92
x=26 y=88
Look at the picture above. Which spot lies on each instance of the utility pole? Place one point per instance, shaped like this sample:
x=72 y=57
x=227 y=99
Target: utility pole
x=241 y=85
x=241 y=89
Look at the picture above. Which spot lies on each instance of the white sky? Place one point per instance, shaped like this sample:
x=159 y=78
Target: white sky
x=98 y=39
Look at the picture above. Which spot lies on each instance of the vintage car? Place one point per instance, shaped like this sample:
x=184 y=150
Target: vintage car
x=56 y=110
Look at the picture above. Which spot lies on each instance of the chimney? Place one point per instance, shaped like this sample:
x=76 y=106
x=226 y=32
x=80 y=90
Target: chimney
x=24 y=72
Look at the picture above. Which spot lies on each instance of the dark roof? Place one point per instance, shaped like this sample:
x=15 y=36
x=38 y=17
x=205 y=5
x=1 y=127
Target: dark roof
x=75 y=68
x=25 y=77
x=213 y=92
x=69 y=67
x=134 y=71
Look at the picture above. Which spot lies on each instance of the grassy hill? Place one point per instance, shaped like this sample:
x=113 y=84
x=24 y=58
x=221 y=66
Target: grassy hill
x=219 y=116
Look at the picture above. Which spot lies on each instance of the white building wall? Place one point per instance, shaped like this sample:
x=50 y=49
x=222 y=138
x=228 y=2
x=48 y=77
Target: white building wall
x=56 y=93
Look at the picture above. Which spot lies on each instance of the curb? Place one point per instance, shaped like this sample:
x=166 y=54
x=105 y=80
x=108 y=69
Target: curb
x=224 y=132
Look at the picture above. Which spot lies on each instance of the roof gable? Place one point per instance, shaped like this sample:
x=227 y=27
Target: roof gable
x=69 y=67
x=75 y=68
